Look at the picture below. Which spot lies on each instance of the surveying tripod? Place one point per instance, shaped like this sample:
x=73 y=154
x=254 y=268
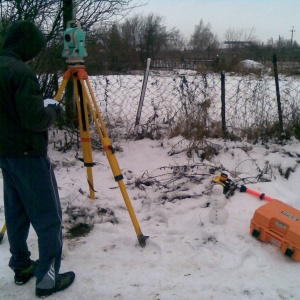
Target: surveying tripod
x=74 y=51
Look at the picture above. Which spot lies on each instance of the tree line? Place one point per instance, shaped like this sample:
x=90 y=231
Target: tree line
x=125 y=45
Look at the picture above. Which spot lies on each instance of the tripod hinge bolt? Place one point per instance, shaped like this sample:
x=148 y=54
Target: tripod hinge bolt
x=109 y=147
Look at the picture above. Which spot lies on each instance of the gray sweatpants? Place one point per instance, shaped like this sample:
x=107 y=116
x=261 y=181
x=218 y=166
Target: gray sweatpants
x=31 y=196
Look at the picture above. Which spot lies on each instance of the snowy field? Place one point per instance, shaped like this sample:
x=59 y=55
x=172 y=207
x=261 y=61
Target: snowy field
x=187 y=257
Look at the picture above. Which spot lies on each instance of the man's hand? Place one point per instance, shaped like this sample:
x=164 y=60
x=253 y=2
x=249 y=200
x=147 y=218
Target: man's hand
x=57 y=108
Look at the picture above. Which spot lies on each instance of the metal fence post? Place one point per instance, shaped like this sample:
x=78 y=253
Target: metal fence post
x=278 y=93
x=139 y=112
x=223 y=113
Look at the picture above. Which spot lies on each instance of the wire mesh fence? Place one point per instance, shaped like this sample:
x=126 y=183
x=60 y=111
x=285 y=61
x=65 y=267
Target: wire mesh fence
x=169 y=96
x=182 y=95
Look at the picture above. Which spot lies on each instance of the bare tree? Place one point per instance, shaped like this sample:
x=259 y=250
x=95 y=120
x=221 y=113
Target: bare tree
x=153 y=36
x=146 y=34
x=92 y=13
x=128 y=44
x=41 y=12
x=176 y=41
x=240 y=35
x=130 y=31
x=48 y=16
x=202 y=38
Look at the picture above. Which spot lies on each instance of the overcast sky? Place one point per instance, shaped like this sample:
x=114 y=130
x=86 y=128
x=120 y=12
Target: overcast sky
x=270 y=18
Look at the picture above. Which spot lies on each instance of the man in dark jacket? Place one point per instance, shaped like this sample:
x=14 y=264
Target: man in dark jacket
x=30 y=189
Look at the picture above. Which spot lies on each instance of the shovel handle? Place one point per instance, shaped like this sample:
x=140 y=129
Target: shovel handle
x=2 y=232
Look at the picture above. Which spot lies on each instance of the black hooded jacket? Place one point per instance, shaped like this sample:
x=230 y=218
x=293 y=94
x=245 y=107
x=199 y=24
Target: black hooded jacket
x=24 y=121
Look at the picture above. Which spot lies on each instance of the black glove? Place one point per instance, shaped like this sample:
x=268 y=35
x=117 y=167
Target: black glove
x=57 y=108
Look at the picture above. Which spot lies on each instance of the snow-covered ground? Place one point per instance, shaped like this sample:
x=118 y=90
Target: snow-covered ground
x=187 y=257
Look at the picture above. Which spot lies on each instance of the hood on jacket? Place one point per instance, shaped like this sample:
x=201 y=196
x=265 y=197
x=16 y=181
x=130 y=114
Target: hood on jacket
x=24 y=39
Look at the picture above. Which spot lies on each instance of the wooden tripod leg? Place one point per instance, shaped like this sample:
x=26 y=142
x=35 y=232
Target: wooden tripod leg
x=109 y=150
x=86 y=140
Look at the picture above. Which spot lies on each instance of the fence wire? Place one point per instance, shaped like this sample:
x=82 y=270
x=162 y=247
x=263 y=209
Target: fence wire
x=173 y=96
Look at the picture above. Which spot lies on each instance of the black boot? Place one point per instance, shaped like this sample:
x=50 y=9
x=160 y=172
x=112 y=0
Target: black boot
x=24 y=274
x=63 y=281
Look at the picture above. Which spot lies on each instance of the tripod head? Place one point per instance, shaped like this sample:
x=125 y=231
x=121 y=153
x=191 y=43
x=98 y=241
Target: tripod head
x=74 y=44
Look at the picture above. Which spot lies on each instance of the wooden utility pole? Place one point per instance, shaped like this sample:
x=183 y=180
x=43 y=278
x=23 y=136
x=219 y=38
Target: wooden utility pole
x=292 y=31
x=71 y=112
x=67 y=11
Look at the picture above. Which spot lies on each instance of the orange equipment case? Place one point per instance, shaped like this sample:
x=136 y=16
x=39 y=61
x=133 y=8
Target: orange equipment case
x=278 y=223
